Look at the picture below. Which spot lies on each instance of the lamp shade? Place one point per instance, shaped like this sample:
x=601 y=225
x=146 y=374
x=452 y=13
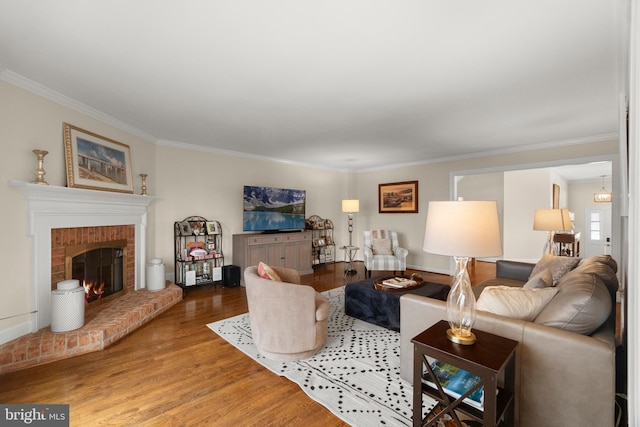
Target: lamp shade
x=552 y=220
x=463 y=229
x=350 y=205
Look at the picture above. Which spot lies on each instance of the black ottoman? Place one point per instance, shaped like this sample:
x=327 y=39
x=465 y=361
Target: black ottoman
x=364 y=302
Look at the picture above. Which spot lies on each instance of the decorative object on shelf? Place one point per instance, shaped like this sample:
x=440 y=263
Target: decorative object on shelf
x=322 y=245
x=96 y=162
x=398 y=197
x=144 y=184
x=462 y=229
x=552 y=220
x=350 y=206
x=602 y=196
x=40 y=172
x=198 y=251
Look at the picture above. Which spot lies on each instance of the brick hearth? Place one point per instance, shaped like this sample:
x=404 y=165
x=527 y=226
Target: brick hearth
x=104 y=324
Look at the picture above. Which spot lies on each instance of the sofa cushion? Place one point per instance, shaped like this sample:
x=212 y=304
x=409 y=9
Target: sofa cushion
x=515 y=303
x=495 y=281
x=543 y=279
x=605 y=267
x=583 y=303
x=267 y=272
x=381 y=247
x=558 y=265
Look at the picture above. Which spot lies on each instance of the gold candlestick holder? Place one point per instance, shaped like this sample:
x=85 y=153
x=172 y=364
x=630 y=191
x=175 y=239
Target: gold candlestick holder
x=40 y=172
x=144 y=184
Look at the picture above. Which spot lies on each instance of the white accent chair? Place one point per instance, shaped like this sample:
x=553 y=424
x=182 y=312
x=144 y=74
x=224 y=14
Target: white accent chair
x=383 y=253
x=288 y=320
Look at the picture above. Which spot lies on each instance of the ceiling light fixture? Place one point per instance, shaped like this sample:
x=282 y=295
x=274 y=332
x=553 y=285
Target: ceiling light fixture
x=602 y=196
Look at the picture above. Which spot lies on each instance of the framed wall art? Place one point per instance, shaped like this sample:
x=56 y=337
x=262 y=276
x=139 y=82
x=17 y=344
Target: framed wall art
x=96 y=162
x=398 y=197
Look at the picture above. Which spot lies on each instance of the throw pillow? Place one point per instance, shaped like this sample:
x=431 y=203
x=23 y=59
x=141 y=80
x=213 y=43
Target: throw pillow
x=541 y=280
x=267 y=272
x=558 y=265
x=516 y=303
x=381 y=247
x=582 y=305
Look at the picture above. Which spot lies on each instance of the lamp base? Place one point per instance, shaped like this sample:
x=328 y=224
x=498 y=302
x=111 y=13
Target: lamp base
x=458 y=339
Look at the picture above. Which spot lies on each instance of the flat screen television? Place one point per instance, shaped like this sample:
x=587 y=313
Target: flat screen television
x=270 y=209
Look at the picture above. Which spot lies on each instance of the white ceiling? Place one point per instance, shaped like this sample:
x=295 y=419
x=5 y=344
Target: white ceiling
x=346 y=84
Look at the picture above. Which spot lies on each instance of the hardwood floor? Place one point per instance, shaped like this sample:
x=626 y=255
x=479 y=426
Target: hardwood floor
x=175 y=371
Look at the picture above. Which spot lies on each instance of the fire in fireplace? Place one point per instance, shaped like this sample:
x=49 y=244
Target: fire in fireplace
x=99 y=267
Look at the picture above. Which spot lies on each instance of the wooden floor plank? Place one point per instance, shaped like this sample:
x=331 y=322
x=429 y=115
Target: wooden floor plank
x=175 y=371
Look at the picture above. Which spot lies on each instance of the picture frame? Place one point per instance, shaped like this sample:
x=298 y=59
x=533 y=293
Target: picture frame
x=185 y=228
x=198 y=227
x=556 y=196
x=95 y=162
x=398 y=197
x=213 y=227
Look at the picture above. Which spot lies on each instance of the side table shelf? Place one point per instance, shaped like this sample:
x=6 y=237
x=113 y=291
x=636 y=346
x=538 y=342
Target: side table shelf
x=198 y=252
x=322 y=244
x=487 y=359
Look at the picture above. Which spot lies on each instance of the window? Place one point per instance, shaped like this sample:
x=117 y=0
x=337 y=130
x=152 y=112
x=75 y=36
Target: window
x=594 y=225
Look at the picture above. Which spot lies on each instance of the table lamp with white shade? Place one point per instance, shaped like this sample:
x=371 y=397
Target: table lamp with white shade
x=552 y=220
x=463 y=230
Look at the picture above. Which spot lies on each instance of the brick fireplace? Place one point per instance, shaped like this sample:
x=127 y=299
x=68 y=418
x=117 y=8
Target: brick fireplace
x=89 y=213
x=69 y=242
x=59 y=217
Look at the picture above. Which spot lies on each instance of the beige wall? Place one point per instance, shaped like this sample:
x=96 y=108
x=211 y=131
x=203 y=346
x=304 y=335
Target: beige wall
x=525 y=191
x=28 y=121
x=191 y=182
x=435 y=180
x=210 y=185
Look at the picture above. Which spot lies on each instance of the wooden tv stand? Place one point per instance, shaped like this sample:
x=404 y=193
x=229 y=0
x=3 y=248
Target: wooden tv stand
x=289 y=250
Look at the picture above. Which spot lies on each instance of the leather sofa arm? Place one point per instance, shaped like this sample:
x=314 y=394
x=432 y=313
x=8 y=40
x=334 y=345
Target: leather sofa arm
x=514 y=270
x=560 y=375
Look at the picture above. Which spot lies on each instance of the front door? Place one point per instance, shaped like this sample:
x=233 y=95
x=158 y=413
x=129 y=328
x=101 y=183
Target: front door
x=597 y=235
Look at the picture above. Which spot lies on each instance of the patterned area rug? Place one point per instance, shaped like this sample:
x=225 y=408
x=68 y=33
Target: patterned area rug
x=356 y=375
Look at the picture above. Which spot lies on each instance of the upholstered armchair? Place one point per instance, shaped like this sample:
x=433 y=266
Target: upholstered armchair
x=382 y=252
x=288 y=320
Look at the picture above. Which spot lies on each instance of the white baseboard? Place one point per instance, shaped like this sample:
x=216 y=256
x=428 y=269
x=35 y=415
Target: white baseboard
x=16 y=331
x=430 y=270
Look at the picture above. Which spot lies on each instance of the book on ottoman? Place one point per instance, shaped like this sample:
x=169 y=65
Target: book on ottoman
x=399 y=282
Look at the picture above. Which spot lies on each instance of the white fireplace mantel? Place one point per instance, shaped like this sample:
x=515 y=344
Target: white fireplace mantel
x=50 y=207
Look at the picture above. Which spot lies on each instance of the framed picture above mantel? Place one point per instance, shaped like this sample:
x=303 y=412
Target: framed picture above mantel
x=398 y=197
x=95 y=162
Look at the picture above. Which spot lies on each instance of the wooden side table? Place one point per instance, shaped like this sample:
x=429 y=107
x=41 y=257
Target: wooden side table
x=487 y=358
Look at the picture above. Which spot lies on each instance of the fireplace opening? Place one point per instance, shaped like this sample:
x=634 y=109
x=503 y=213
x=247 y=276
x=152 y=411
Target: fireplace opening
x=100 y=268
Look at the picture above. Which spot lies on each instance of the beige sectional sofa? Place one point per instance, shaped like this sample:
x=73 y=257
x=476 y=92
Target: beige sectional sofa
x=566 y=357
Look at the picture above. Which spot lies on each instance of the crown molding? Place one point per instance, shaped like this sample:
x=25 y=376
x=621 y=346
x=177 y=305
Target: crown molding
x=41 y=90
x=231 y=153
x=22 y=82
x=488 y=153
